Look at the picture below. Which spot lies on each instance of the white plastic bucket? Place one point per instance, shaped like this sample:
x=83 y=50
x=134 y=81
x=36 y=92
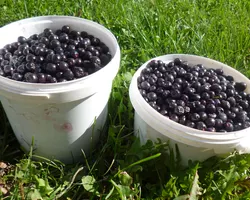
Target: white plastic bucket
x=193 y=144
x=63 y=118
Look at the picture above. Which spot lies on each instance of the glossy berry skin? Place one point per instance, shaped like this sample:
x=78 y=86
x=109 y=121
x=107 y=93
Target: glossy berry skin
x=210 y=108
x=201 y=125
x=41 y=57
x=54 y=44
x=21 y=69
x=30 y=67
x=68 y=75
x=51 y=68
x=41 y=78
x=240 y=86
x=30 y=58
x=194 y=96
x=152 y=96
x=31 y=77
x=195 y=117
x=210 y=122
x=66 y=29
x=79 y=72
x=8 y=70
x=21 y=39
x=174 y=117
x=17 y=77
x=229 y=126
x=56 y=58
x=190 y=124
x=179 y=110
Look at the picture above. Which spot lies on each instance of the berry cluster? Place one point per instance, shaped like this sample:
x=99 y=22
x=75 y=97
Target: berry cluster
x=195 y=96
x=51 y=57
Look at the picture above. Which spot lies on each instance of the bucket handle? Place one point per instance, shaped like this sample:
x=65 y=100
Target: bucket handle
x=33 y=96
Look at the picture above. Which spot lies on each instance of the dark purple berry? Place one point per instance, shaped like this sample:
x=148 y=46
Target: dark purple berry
x=232 y=101
x=174 y=117
x=188 y=76
x=201 y=126
x=44 y=41
x=53 y=37
x=145 y=85
x=79 y=73
x=219 y=71
x=40 y=51
x=175 y=93
x=222 y=116
x=21 y=39
x=30 y=58
x=240 y=86
x=63 y=66
x=56 y=58
x=246 y=124
x=241 y=117
x=182 y=119
x=21 y=69
x=54 y=44
x=218 y=123
x=66 y=29
x=64 y=38
x=195 y=117
x=177 y=61
x=104 y=59
x=179 y=110
x=17 y=76
x=244 y=104
x=212 y=115
x=210 y=108
x=41 y=78
x=184 y=97
x=47 y=32
x=74 y=54
x=30 y=67
x=203 y=116
x=190 y=124
x=210 y=122
x=30 y=77
x=211 y=129
x=228 y=126
x=68 y=75
x=62 y=80
x=8 y=69
x=51 y=68
x=225 y=104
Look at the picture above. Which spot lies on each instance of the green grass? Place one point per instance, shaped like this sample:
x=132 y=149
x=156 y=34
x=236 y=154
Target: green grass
x=120 y=168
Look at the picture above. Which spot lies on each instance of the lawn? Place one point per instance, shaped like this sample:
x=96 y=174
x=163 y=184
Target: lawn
x=120 y=168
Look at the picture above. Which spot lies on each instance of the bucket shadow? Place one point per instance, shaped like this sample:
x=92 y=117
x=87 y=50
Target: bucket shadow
x=93 y=134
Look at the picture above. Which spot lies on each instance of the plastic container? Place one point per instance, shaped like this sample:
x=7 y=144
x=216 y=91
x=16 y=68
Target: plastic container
x=193 y=144
x=62 y=118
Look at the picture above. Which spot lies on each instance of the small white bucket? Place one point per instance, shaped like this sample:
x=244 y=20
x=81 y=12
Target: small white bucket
x=193 y=144
x=63 y=118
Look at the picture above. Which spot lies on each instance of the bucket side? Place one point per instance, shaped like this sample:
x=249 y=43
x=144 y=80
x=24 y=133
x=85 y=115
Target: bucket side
x=59 y=130
x=187 y=152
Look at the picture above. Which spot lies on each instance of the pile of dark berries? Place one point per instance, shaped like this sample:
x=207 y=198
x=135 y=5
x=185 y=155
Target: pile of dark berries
x=195 y=96
x=51 y=57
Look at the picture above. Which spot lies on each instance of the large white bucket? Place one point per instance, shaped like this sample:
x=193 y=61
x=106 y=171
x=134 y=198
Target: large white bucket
x=193 y=144
x=63 y=118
